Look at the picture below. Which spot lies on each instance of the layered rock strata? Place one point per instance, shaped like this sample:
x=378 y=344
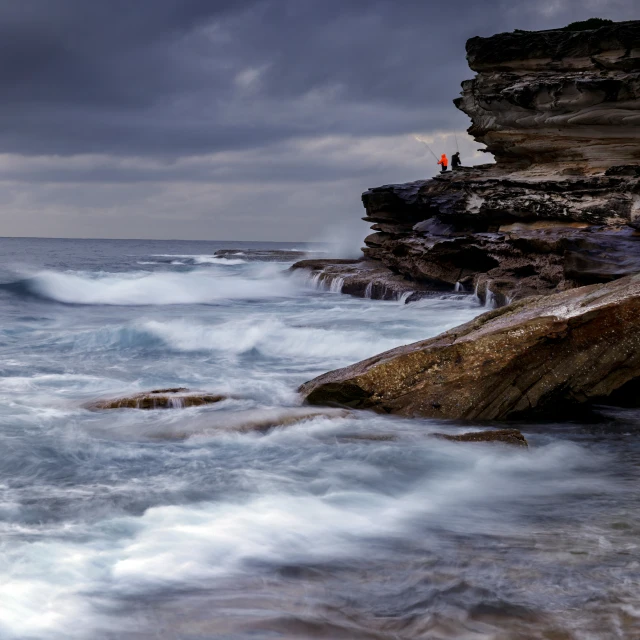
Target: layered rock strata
x=363 y=279
x=557 y=99
x=558 y=215
x=560 y=112
x=543 y=352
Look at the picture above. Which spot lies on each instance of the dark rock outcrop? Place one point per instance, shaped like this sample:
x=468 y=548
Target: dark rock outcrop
x=552 y=351
x=498 y=246
x=177 y=398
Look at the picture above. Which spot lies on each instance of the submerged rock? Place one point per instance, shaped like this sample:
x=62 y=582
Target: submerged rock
x=504 y=436
x=542 y=352
x=250 y=421
x=266 y=419
x=260 y=255
x=175 y=398
x=366 y=437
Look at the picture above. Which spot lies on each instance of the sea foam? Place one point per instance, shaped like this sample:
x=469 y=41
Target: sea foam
x=158 y=288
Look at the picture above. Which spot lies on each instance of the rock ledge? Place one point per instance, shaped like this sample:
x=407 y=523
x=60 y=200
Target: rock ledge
x=542 y=352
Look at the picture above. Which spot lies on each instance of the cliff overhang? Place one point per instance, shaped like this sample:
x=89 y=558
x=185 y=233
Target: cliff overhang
x=558 y=100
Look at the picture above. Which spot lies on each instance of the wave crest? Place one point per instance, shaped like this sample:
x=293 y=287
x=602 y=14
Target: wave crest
x=144 y=288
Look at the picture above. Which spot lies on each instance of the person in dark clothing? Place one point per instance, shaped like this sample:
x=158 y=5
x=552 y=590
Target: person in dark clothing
x=455 y=160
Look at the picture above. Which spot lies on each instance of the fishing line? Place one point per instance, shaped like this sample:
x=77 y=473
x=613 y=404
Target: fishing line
x=426 y=145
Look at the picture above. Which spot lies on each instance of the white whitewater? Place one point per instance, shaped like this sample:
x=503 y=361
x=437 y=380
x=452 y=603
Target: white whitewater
x=253 y=518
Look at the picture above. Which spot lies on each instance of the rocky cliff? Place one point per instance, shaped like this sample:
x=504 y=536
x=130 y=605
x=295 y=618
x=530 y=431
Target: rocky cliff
x=557 y=100
x=560 y=208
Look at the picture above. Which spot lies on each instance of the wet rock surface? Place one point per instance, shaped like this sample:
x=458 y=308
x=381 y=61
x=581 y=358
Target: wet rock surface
x=553 y=351
x=248 y=421
x=363 y=279
x=175 y=398
x=502 y=436
x=507 y=253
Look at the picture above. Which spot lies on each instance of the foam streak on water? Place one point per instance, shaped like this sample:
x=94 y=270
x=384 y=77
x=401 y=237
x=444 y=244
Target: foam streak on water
x=216 y=522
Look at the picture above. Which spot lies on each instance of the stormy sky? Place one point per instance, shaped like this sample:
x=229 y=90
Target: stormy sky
x=233 y=119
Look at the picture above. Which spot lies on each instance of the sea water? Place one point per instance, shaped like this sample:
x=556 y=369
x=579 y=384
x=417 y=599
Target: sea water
x=179 y=524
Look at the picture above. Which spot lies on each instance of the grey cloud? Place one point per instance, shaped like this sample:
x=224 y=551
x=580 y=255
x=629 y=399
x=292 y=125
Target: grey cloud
x=161 y=76
x=234 y=92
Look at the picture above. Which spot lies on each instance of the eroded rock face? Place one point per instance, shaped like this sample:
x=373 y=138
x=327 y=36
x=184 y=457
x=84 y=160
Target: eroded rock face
x=560 y=111
x=177 y=398
x=569 y=99
x=442 y=233
x=543 y=352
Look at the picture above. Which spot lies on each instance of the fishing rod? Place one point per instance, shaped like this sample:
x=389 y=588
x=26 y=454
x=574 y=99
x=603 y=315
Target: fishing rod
x=426 y=145
x=456 y=139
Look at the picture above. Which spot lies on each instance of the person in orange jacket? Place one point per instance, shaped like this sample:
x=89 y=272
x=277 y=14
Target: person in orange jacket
x=444 y=162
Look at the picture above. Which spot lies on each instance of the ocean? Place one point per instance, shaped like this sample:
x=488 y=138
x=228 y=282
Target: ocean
x=190 y=524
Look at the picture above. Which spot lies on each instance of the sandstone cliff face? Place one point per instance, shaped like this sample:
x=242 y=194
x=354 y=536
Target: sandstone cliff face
x=561 y=113
x=539 y=353
x=570 y=99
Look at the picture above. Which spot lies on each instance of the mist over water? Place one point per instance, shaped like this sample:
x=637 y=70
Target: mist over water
x=206 y=523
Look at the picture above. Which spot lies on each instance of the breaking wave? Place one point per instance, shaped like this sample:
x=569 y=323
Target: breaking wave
x=144 y=288
x=271 y=337
x=185 y=259
x=268 y=337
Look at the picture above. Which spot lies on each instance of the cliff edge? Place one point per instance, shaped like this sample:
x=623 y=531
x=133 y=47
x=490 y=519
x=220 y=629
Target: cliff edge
x=560 y=112
x=560 y=208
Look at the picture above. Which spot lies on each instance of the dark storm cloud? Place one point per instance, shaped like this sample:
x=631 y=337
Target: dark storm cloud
x=194 y=76
x=280 y=102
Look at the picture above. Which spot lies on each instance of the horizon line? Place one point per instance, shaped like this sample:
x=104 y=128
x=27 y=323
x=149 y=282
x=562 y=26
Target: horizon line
x=152 y=239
